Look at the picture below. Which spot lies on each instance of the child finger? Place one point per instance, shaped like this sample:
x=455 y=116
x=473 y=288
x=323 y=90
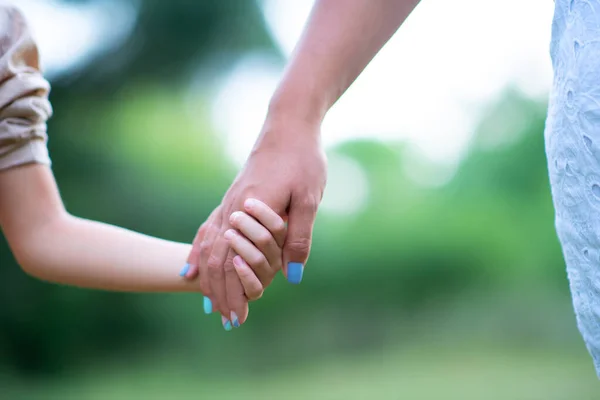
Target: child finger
x=268 y=218
x=251 y=255
x=258 y=235
x=252 y=286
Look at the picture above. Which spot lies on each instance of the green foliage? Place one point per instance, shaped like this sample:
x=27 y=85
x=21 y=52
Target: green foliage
x=477 y=257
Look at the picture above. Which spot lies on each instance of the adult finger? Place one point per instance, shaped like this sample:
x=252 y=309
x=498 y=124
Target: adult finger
x=206 y=246
x=237 y=302
x=216 y=274
x=301 y=218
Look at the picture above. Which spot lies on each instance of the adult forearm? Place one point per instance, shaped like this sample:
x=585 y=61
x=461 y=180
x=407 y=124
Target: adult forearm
x=340 y=38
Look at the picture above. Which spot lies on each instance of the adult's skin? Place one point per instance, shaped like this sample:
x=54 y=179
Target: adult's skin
x=287 y=167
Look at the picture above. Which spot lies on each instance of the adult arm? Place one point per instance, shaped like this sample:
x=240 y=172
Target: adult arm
x=287 y=167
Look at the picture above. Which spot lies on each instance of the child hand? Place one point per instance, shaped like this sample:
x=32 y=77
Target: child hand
x=258 y=240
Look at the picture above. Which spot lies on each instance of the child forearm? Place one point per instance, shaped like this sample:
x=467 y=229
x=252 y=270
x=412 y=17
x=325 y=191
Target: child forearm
x=90 y=254
x=52 y=245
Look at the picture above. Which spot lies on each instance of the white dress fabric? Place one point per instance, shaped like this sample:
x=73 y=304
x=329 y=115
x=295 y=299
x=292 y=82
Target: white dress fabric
x=573 y=150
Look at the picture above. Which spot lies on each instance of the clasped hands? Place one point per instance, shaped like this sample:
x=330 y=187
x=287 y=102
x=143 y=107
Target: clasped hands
x=264 y=223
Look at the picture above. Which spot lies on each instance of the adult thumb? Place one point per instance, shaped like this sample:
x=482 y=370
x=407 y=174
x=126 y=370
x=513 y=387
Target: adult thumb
x=301 y=218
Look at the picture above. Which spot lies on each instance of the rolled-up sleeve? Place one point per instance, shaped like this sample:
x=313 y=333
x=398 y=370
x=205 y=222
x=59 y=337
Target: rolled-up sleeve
x=24 y=105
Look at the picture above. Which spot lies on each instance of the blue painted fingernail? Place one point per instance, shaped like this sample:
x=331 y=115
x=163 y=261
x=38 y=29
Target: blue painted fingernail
x=226 y=323
x=235 y=320
x=207 y=305
x=294 y=272
x=184 y=270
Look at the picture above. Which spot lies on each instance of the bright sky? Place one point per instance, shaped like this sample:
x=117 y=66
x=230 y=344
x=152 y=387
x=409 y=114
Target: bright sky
x=427 y=85
x=69 y=34
x=450 y=59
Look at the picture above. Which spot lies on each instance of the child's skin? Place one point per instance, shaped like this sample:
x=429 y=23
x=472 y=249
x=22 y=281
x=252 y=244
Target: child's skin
x=258 y=240
x=52 y=245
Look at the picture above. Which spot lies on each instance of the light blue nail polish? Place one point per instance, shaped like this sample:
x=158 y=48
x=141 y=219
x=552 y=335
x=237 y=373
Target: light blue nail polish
x=227 y=326
x=235 y=320
x=184 y=270
x=294 y=272
x=207 y=305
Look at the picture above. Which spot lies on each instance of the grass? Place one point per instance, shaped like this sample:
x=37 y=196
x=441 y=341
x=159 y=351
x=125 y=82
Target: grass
x=465 y=372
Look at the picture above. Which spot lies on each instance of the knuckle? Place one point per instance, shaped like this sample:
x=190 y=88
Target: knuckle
x=214 y=263
x=228 y=267
x=299 y=246
x=257 y=260
x=308 y=203
x=264 y=239
x=208 y=226
x=204 y=248
x=279 y=227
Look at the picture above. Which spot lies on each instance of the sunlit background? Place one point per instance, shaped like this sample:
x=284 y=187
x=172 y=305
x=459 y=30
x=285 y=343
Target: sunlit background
x=435 y=272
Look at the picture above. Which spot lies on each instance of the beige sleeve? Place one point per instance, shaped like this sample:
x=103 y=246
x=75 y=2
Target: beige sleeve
x=24 y=105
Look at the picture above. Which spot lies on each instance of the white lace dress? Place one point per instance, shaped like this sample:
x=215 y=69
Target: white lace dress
x=573 y=150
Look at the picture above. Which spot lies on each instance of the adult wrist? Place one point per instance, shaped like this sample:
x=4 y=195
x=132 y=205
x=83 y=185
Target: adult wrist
x=295 y=102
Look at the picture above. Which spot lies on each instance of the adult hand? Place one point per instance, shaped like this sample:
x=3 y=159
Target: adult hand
x=287 y=171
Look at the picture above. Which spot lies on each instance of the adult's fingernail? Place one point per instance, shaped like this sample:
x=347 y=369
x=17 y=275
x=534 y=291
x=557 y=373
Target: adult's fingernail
x=207 y=305
x=226 y=323
x=294 y=272
x=235 y=320
x=184 y=270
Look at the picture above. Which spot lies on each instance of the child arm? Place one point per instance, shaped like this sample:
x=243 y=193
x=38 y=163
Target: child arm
x=52 y=245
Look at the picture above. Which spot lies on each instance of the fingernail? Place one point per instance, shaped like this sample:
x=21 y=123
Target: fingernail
x=237 y=261
x=294 y=272
x=234 y=216
x=229 y=234
x=235 y=320
x=249 y=203
x=207 y=305
x=184 y=270
x=226 y=323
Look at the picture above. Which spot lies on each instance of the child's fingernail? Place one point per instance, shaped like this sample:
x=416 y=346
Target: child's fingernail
x=234 y=216
x=237 y=261
x=207 y=305
x=226 y=323
x=249 y=203
x=184 y=270
x=235 y=320
x=294 y=272
x=229 y=234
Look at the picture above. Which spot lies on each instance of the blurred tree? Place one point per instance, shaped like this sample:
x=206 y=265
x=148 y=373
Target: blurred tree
x=171 y=40
x=126 y=150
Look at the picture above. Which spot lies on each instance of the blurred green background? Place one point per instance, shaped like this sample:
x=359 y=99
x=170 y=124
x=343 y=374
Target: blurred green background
x=455 y=291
